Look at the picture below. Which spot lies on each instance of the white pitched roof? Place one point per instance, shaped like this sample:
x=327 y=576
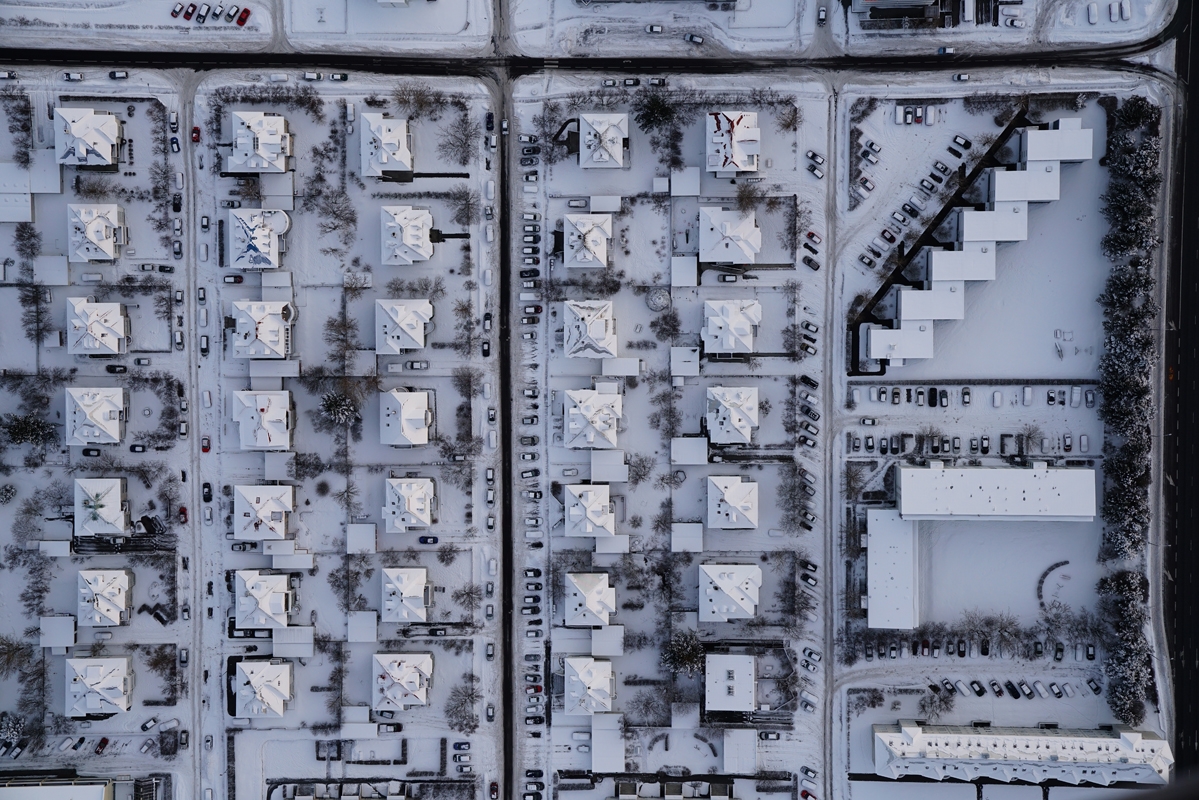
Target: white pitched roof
x=732 y=414
x=405 y=234
x=86 y=138
x=728 y=236
x=400 y=325
x=254 y=237
x=729 y=325
x=997 y=493
x=401 y=680
x=404 y=418
x=589 y=599
x=263 y=328
x=100 y=508
x=404 y=594
x=263 y=600
x=98 y=685
x=105 y=596
x=96 y=328
x=732 y=502
x=601 y=140
x=590 y=685
x=591 y=418
x=728 y=591
x=263 y=688
x=94 y=232
x=587 y=238
x=384 y=145
x=260 y=512
x=95 y=416
x=261 y=142
x=590 y=329
x=734 y=141
x=729 y=682
x=264 y=419
x=409 y=504
x=589 y=510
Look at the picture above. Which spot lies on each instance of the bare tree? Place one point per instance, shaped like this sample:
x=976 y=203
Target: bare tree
x=459 y=142
x=469 y=596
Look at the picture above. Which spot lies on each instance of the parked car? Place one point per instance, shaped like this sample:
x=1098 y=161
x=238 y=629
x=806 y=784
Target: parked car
x=427 y=540
x=693 y=38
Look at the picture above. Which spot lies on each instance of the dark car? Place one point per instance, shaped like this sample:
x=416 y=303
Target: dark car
x=534 y=720
x=427 y=540
x=196 y=133
x=137 y=448
x=207 y=492
x=984 y=648
x=100 y=745
x=489 y=121
x=91 y=452
x=808 y=565
x=810 y=382
x=1094 y=686
x=811 y=262
x=234 y=279
x=243 y=16
x=486 y=349
x=1059 y=650
x=961 y=648
x=996 y=688
x=176 y=203
x=116 y=369
x=810 y=413
x=1012 y=690
x=530 y=273
x=808 y=579
x=978 y=688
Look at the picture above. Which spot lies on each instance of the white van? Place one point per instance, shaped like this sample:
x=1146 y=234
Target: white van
x=898 y=115
x=278 y=77
x=490 y=190
x=203 y=251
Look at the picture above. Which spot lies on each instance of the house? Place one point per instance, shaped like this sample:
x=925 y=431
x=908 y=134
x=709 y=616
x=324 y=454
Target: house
x=401 y=680
x=406 y=594
x=406 y=235
x=263 y=328
x=84 y=137
x=95 y=232
x=262 y=686
x=105 y=597
x=264 y=419
x=262 y=599
x=590 y=686
x=603 y=138
x=589 y=599
x=892 y=570
x=405 y=418
x=385 y=147
x=101 y=508
x=586 y=239
x=400 y=325
x=729 y=682
x=734 y=142
x=95 y=416
x=96 y=329
x=592 y=417
x=732 y=414
x=98 y=687
x=410 y=504
x=589 y=510
x=728 y=591
x=256 y=237
x=1014 y=494
x=19 y=183
x=261 y=143
x=732 y=502
x=728 y=236
x=260 y=512
x=730 y=325
x=589 y=329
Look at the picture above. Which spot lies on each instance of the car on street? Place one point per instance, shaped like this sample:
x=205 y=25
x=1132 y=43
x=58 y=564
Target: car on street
x=427 y=540
x=205 y=444
x=174 y=144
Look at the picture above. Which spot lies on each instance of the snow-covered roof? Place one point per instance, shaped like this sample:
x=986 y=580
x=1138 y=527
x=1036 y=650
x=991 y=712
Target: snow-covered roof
x=254 y=237
x=729 y=682
x=401 y=680
x=96 y=328
x=404 y=594
x=263 y=599
x=912 y=339
x=586 y=242
x=728 y=236
x=589 y=599
x=1003 y=222
x=384 y=144
x=1039 y=183
x=732 y=502
x=728 y=591
x=1065 y=140
x=601 y=140
x=400 y=325
x=1029 y=755
x=892 y=571
x=590 y=329
x=100 y=507
x=261 y=142
x=95 y=232
x=98 y=686
x=734 y=142
x=404 y=418
x=589 y=510
x=969 y=261
x=941 y=300
x=260 y=512
x=405 y=234
x=590 y=686
x=263 y=687
x=84 y=137
x=997 y=493
x=263 y=328
x=264 y=419
x=95 y=416
x=591 y=418
x=105 y=597
x=729 y=325
x=732 y=414
x=409 y=504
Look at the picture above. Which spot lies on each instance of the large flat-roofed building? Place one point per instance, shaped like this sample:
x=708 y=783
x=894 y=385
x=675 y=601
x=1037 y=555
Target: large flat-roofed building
x=385 y=147
x=261 y=142
x=734 y=142
x=603 y=139
x=997 y=493
x=892 y=571
x=729 y=682
x=84 y=137
x=96 y=329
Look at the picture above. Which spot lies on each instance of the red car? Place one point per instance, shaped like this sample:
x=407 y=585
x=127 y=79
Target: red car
x=183 y=514
x=196 y=134
x=100 y=745
x=495 y=791
x=205 y=444
x=243 y=16
x=177 y=9
x=191 y=9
